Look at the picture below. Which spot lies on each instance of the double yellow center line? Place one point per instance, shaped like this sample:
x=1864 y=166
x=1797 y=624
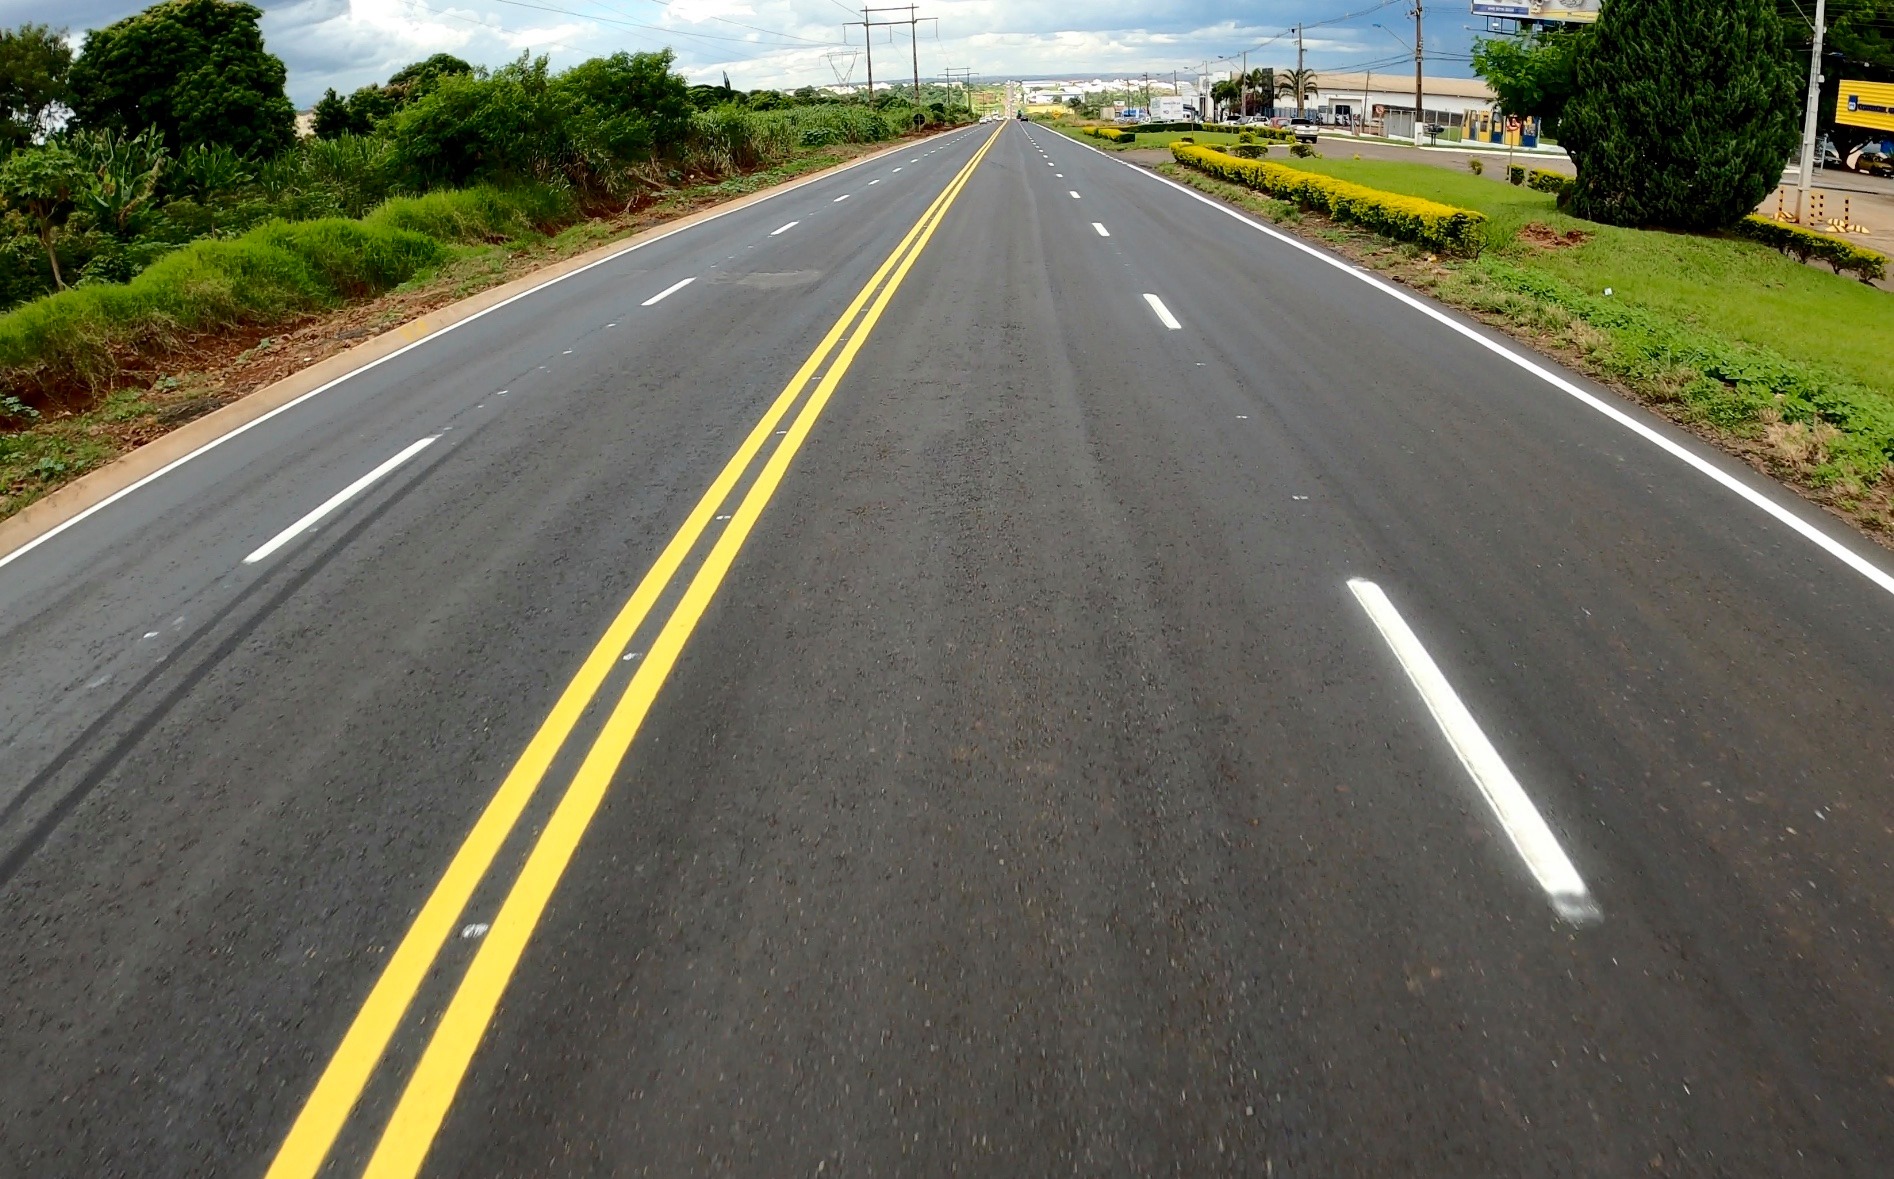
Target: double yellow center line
x=430 y=1091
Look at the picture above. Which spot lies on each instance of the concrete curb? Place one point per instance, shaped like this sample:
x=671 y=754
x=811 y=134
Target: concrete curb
x=40 y=520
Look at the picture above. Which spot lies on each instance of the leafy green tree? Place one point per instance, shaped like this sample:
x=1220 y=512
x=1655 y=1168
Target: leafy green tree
x=194 y=69
x=34 y=63
x=1684 y=113
x=629 y=104
x=468 y=128
x=332 y=118
x=1533 y=77
x=44 y=185
x=416 y=81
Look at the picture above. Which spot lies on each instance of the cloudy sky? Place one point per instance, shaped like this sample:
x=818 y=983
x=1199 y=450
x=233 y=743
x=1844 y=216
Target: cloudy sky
x=347 y=43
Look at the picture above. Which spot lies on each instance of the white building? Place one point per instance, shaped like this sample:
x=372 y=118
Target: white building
x=1388 y=101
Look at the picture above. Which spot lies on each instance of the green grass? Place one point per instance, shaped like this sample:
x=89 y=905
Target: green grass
x=1787 y=361
x=1729 y=286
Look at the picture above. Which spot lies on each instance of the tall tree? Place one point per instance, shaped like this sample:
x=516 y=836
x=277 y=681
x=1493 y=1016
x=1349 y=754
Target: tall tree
x=34 y=62
x=1684 y=113
x=194 y=69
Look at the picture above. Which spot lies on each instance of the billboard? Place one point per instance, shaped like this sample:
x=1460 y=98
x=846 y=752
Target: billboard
x=1574 y=11
x=1866 y=104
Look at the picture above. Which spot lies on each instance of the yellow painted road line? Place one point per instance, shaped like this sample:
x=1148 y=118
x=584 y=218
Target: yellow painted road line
x=430 y=1093
x=322 y=1117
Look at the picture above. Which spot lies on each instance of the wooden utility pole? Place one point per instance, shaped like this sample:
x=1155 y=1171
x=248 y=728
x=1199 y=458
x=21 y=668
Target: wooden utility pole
x=1244 y=101
x=1419 y=91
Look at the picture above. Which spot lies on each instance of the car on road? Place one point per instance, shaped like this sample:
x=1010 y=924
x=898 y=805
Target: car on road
x=1305 y=130
x=1875 y=163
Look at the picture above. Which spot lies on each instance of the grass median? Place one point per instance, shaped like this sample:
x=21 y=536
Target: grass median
x=1781 y=363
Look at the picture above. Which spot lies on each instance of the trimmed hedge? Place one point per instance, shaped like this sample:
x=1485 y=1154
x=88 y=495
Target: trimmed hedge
x=1540 y=180
x=1111 y=134
x=1423 y=222
x=1805 y=244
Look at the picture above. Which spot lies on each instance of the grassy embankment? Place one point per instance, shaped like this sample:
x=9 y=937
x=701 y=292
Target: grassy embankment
x=96 y=371
x=1782 y=363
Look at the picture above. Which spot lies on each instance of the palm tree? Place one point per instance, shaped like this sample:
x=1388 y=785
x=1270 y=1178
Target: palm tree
x=1300 y=85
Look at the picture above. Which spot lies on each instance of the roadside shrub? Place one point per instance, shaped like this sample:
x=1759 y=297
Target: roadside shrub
x=482 y=213
x=1250 y=151
x=276 y=270
x=1423 y=222
x=1805 y=244
x=271 y=272
x=1540 y=180
x=1302 y=151
x=1476 y=165
x=1515 y=175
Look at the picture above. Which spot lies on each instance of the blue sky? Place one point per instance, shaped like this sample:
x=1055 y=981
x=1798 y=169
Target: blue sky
x=346 y=43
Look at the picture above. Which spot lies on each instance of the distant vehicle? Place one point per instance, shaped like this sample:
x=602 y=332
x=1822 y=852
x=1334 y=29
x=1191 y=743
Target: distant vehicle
x=1875 y=163
x=1305 y=130
x=1022 y=117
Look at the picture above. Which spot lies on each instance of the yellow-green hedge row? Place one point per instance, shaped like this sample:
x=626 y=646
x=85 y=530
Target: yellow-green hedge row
x=1806 y=244
x=1110 y=134
x=1423 y=222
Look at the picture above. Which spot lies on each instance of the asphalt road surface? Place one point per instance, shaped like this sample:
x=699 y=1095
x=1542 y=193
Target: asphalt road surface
x=1011 y=669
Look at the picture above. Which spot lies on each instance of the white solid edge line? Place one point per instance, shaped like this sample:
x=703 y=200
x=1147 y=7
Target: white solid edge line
x=1524 y=825
x=667 y=292
x=337 y=500
x=1834 y=548
x=1100 y=227
x=1164 y=313
x=253 y=423
x=784 y=229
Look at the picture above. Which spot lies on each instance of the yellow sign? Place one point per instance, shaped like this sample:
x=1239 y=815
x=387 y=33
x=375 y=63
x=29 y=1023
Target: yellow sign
x=1866 y=104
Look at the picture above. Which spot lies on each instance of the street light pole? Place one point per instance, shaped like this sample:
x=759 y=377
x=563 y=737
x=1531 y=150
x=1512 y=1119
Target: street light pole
x=1809 y=118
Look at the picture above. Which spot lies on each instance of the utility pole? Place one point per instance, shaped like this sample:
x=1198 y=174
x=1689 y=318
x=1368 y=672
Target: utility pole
x=1244 y=109
x=869 y=24
x=1361 y=124
x=1419 y=94
x=1808 y=119
x=1299 y=74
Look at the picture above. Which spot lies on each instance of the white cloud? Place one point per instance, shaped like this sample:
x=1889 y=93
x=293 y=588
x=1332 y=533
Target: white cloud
x=348 y=43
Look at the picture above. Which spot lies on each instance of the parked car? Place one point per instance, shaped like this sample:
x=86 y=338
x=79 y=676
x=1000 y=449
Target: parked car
x=1305 y=130
x=1875 y=163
